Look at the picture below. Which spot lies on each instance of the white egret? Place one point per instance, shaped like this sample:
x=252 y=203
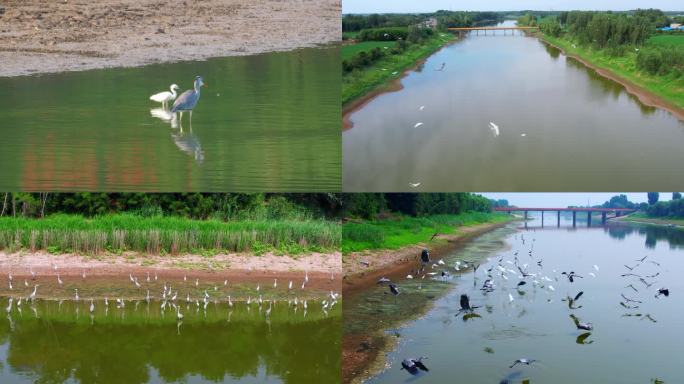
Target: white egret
x=92 y=306
x=32 y=296
x=165 y=97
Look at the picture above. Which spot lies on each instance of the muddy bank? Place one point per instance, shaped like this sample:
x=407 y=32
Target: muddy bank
x=41 y=37
x=397 y=263
x=363 y=353
x=113 y=272
x=644 y=96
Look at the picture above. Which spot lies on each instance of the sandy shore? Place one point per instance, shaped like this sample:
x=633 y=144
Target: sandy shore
x=322 y=269
x=71 y=35
x=362 y=353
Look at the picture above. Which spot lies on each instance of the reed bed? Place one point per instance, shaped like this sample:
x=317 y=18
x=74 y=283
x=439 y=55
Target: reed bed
x=165 y=235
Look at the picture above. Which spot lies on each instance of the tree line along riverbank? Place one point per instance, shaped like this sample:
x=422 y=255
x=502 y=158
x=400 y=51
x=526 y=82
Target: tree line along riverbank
x=101 y=223
x=378 y=49
x=629 y=45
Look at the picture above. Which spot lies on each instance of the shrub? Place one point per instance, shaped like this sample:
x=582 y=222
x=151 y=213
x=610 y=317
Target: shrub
x=383 y=34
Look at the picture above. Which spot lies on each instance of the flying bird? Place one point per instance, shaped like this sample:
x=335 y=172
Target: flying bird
x=412 y=365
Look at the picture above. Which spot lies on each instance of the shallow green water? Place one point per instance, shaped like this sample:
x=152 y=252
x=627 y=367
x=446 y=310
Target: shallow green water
x=625 y=345
x=268 y=122
x=61 y=342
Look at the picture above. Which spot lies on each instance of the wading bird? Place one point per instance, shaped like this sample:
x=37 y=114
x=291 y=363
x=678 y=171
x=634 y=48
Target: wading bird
x=412 y=365
x=187 y=101
x=395 y=291
x=425 y=256
x=165 y=97
x=32 y=296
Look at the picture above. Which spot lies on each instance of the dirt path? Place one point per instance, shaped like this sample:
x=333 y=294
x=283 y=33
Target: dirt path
x=69 y=35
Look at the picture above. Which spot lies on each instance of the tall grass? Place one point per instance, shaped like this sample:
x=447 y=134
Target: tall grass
x=165 y=235
x=402 y=230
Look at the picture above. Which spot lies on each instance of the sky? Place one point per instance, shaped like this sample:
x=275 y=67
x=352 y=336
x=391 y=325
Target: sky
x=562 y=200
x=408 y=6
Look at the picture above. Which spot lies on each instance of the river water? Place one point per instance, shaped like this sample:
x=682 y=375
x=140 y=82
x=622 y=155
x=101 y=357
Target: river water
x=560 y=125
x=625 y=346
x=266 y=122
x=61 y=342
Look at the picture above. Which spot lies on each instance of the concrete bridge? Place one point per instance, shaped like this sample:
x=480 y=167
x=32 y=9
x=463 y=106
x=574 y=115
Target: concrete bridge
x=492 y=29
x=605 y=212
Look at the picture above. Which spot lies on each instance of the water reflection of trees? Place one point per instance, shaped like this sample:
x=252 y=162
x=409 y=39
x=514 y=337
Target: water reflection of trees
x=652 y=234
x=55 y=351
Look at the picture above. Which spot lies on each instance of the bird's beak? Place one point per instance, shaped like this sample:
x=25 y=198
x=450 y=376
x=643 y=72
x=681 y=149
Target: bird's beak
x=205 y=85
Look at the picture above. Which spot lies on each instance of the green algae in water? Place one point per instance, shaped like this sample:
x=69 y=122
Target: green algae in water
x=60 y=342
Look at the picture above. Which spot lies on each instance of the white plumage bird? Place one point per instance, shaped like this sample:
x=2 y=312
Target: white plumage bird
x=165 y=97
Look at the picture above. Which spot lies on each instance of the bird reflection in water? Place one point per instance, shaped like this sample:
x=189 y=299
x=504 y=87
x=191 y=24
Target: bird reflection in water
x=186 y=141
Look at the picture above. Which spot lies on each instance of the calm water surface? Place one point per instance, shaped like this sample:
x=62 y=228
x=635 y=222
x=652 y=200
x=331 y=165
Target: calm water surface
x=580 y=130
x=61 y=342
x=624 y=347
x=267 y=122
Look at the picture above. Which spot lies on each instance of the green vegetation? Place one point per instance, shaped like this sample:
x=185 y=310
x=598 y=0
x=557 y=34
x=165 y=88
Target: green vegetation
x=117 y=233
x=641 y=217
x=351 y=50
x=667 y=40
x=205 y=224
x=368 y=66
x=625 y=44
x=394 y=220
x=402 y=230
x=358 y=82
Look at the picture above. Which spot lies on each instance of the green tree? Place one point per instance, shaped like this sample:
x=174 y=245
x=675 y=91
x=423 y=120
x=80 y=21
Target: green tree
x=676 y=195
x=653 y=197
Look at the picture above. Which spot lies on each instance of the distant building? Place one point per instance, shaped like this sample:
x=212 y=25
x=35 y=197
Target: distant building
x=430 y=23
x=675 y=25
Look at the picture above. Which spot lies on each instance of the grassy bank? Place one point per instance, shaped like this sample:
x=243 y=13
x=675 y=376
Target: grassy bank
x=668 y=87
x=360 y=82
x=644 y=218
x=403 y=230
x=166 y=235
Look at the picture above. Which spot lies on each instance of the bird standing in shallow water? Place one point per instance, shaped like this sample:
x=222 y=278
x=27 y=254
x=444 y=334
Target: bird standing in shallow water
x=188 y=99
x=165 y=97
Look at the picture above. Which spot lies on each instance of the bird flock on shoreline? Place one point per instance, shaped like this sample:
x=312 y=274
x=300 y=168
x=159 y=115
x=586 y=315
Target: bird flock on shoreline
x=171 y=297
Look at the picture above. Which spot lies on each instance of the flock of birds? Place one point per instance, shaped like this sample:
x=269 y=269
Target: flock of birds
x=171 y=298
x=503 y=271
x=494 y=128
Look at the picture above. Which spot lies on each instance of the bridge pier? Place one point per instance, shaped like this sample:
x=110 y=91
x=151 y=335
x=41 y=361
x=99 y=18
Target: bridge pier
x=603 y=218
x=542 y=212
x=574 y=219
x=588 y=218
x=558 y=221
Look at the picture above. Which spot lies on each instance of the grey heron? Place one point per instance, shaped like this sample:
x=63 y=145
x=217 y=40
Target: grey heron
x=188 y=99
